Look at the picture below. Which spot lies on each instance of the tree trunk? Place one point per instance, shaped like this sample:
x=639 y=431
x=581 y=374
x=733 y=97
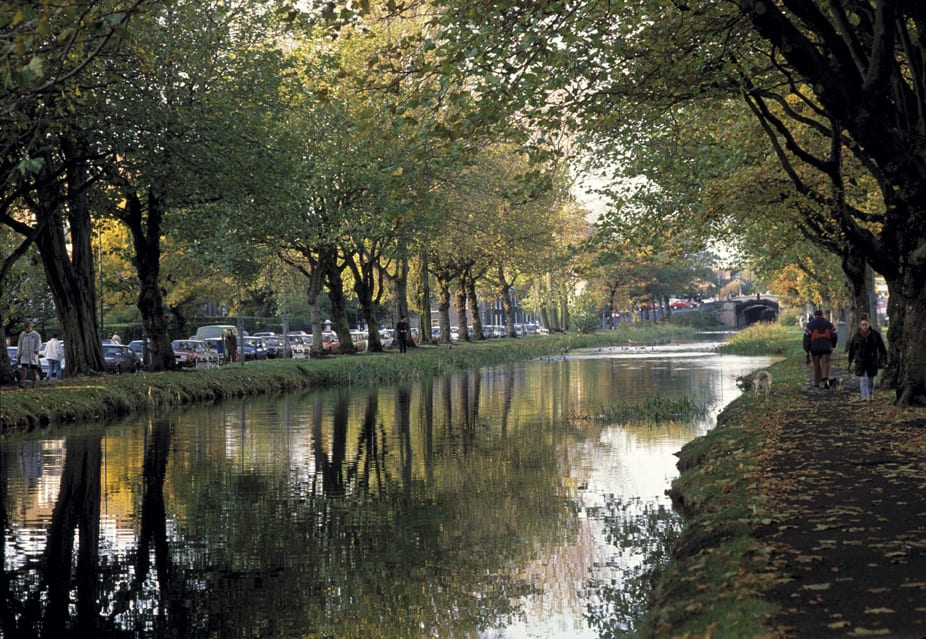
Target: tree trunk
x=460 y=303
x=443 y=309
x=858 y=280
x=473 y=302
x=339 y=319
x=504 y=291
x=564 y=312
x=890 y=377
x=69 y=271
x=907 y=339
x=424 y=297
x=146 y=238
x=363 y=266
x=6 y=373
x=549 y=313
x=317 y=275
x=545 y=318
x=911 y=373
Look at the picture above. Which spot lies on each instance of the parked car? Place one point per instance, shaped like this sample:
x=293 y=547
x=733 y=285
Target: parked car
x=300 y=343
x=12 y=351
x=359 y=338
x=386 y=337
x=273 y=344
x=330 y=343
x=193 y=353
x=120 y=359
x=253 y=348
x=216 y=344
x=184 y=354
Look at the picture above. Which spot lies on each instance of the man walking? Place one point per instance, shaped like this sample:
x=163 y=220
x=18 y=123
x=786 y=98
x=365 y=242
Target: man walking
x=820 y=339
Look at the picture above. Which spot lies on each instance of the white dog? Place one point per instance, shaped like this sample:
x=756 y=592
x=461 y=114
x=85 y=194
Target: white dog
x=762 y=383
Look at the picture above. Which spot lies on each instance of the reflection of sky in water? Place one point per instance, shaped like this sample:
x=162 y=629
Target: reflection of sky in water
x=597 y=462
x=625 y=463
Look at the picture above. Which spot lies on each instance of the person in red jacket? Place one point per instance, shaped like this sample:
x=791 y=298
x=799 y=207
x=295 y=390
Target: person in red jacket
x=820 y=338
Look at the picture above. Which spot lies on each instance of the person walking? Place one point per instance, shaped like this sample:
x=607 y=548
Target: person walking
x=820 y=338
x=231 y=347
x=401 y=331
x=27 y=352
x=54 y=353
x=866 y=349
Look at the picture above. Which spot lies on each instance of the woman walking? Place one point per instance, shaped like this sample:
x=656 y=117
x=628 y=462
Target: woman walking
x=866 y=349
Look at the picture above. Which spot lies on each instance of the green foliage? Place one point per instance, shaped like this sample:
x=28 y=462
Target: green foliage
x=764 y=339
x=585 y=315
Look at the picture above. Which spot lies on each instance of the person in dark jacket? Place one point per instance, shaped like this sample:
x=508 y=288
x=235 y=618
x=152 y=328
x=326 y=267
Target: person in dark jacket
x=401 y=331
x=866 y=349
x=820 y=338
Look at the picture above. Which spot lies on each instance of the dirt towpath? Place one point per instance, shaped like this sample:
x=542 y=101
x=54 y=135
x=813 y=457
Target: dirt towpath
x=846 y=481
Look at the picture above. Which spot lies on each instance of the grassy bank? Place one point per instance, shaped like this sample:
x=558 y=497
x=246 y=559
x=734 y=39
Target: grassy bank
x=714 y=583
x=106 y=396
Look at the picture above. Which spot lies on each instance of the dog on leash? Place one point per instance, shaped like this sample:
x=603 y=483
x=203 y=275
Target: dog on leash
x=835 y=383
x=762 y=383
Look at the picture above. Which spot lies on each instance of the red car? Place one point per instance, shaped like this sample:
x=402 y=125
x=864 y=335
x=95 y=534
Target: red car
x=184 y=353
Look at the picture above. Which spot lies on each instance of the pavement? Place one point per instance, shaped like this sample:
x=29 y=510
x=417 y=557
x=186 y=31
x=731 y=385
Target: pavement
x=846 y=480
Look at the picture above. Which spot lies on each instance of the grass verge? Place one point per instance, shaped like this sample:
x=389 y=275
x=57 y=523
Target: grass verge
x=714 y=583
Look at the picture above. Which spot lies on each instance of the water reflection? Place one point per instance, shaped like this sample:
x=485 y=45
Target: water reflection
x=472 y=505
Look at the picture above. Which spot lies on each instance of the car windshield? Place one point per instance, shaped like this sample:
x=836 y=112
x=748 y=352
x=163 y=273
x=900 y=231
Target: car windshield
x=111 y=350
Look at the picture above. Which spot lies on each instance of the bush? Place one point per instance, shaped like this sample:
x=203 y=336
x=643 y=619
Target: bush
x=585 y=318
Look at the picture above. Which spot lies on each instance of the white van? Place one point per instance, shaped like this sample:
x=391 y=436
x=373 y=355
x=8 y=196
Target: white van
x=215 y=330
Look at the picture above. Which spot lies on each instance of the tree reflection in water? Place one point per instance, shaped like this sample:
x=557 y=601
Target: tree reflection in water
x=397 y=533
x=399 y=512
x=637 y=529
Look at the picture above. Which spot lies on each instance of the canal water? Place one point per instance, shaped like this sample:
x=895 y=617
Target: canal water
x=506 y=502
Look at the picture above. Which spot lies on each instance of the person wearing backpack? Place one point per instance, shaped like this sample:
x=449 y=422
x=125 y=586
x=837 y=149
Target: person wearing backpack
x=820 y=338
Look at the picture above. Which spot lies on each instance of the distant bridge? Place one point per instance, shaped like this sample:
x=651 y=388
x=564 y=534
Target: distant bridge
x=742 y=311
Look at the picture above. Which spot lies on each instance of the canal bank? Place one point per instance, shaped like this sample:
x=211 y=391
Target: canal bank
x=104 y=397
x=805 y=516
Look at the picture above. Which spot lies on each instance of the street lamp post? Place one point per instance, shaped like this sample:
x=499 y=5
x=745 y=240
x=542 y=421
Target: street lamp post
x=100 y=260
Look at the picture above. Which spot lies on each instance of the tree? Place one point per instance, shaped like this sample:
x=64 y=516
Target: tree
x=846 y=72
x=182 y=133
x=48 y=48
